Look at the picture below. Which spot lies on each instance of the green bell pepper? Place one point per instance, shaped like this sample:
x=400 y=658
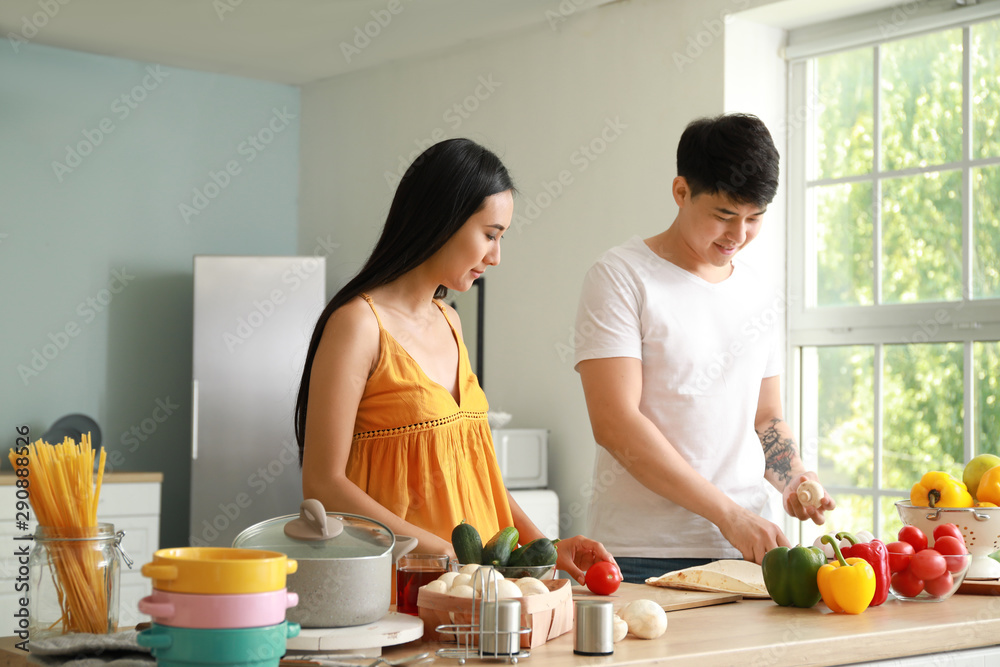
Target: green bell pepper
x=790 y=575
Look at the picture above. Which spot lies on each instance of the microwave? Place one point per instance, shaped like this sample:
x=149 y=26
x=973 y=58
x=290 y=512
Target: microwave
x=523 y=455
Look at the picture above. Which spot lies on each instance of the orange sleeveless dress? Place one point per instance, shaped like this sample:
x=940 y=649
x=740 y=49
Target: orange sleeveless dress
x=420 y=454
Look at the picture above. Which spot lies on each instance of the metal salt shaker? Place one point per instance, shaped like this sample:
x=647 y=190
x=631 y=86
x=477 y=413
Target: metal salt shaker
x=500 y=627
x=594 y=628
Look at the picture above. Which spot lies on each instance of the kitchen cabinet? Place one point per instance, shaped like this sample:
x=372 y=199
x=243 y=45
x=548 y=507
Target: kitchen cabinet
x=130 y=501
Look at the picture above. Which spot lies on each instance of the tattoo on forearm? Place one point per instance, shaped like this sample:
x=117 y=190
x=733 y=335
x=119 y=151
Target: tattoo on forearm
x=779 y=451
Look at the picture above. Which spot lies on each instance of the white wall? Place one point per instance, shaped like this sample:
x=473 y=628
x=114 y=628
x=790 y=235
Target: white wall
x=623 y=79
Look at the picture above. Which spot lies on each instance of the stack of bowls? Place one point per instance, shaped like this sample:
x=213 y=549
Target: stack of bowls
x=218 y=606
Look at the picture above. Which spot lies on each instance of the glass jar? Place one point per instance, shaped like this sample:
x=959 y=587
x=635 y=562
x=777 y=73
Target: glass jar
x=74 y=576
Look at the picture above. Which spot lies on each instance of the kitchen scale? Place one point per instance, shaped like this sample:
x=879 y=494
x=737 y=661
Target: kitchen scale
x=363 y=641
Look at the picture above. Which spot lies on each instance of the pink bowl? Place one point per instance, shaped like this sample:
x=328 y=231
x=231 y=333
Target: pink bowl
x=240 y=610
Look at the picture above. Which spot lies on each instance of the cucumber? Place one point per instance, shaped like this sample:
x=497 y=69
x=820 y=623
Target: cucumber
x=497 y=551
x=467 y=543
x=536 y=552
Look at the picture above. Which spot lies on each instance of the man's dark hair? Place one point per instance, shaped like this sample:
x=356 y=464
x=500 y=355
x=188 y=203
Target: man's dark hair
x=730 y=154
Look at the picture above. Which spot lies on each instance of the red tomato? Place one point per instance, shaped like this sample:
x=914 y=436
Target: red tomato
x=603 y=578
x=941 y=586
x=948 y=529
x=899 y=555
x=953 y=550
x=914 y=536
x=905 y=584
x=928 y=564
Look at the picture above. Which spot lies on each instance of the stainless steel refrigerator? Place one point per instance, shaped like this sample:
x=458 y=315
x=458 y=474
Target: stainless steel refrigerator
x=253 y=317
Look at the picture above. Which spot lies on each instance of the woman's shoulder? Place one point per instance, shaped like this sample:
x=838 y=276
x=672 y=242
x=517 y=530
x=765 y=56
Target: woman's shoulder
x=353 y=324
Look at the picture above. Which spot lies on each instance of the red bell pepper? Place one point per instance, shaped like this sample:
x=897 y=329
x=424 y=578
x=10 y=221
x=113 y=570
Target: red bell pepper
x=876 y=555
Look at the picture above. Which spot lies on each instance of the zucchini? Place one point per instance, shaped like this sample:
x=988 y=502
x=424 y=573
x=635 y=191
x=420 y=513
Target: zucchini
x=467 y=543
x=497 y=551
x=536 y=552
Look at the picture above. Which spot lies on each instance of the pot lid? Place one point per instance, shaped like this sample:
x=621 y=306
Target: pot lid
x=316 y=533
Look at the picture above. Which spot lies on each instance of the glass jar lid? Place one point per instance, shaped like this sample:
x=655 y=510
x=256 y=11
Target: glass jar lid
x=316 y=533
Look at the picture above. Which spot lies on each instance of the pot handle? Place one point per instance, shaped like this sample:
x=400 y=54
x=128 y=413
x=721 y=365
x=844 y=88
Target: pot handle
x=151 y=607
x=150 y=639
x=160 y=571
x=404 y=544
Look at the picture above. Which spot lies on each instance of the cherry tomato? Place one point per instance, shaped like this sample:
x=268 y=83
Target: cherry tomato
x=948 y=529
x=953 y=552
x=941 y=586
x=928 y=564
x=905 y=584
x=899 y=555
x=914 y=536
x=603 y=578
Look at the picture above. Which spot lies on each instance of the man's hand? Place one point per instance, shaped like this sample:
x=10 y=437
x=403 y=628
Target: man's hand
x=577 y=554
x=752 y=534
x=794 y=506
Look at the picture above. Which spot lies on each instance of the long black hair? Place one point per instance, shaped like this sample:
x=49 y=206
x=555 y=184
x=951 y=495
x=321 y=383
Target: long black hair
x=444 y=186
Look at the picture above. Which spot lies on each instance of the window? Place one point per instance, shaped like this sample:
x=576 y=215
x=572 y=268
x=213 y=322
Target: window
x=894 y=171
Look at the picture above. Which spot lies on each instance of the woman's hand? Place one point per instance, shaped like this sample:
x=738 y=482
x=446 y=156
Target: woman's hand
x=578 y=553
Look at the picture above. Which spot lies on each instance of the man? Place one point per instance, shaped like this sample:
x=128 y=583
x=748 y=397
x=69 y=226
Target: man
x=679 y=358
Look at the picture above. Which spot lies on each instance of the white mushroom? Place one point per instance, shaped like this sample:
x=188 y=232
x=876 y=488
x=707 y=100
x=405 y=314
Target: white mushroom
x=620 y=629
x=436 y=586
x=645 y=619
x=531 y=586
x=810 y=493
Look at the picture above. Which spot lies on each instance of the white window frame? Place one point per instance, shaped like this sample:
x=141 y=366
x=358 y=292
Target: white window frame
x=809 y=326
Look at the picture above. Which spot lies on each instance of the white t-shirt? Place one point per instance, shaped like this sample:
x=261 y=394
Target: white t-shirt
x=705 y=348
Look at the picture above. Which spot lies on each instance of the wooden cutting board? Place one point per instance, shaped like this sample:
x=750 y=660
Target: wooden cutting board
x=987 y=587
x=671 y=599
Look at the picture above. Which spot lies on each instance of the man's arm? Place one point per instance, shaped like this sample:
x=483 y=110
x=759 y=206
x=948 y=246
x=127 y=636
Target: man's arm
x=783 y=467
x=613 y=388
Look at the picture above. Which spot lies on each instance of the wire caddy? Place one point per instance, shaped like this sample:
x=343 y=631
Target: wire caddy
x=495 y=641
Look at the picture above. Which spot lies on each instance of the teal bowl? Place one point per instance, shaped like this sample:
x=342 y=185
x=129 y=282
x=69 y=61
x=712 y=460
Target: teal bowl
x=238 y=647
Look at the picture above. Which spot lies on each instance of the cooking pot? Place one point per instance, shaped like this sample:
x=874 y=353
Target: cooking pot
x=345 y=563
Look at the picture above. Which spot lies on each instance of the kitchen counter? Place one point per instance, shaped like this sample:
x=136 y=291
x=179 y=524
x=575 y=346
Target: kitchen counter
x=758 y=632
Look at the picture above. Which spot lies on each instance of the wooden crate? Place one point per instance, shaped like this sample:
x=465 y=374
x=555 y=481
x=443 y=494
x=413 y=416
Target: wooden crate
x=548 y=615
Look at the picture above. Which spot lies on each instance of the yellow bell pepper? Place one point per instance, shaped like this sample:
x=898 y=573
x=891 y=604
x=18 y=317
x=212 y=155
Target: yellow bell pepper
x=847 y=586
x=939 y=489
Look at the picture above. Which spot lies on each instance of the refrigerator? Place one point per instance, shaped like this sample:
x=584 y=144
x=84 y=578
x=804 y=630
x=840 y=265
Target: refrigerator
x=253 y=318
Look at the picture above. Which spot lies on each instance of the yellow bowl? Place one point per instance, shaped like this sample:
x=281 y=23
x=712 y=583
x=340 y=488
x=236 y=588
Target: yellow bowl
x=218 y=570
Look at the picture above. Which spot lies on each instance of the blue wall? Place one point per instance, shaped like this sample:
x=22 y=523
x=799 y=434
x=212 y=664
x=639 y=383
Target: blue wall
x=113 y=174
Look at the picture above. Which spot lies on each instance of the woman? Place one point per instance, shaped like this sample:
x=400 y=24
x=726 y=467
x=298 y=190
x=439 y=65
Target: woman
x=390 y=420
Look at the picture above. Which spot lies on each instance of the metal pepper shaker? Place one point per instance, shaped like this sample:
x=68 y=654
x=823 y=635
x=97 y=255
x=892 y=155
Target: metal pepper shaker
x=500 y=627
x=594 y=628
